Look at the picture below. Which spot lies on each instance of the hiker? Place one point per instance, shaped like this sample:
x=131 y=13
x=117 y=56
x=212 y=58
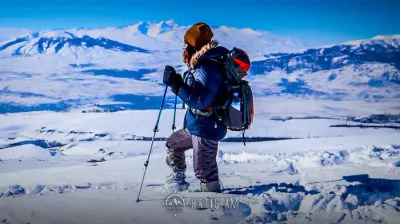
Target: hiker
x=198 y=88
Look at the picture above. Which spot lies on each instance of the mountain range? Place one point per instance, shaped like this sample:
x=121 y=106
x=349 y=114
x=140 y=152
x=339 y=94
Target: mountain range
x=123 y=64
x=162 y=36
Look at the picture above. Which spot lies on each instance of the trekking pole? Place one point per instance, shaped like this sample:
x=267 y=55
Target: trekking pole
x=155 y=130
x=173 y=121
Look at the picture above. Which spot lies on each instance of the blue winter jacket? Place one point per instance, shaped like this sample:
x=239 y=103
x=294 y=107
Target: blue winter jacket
x=202 y=82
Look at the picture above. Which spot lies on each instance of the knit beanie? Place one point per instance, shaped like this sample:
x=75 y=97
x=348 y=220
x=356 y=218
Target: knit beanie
x=198 y=35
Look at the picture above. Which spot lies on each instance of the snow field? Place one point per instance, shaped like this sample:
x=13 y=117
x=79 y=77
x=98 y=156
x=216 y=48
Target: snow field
x=337 y=176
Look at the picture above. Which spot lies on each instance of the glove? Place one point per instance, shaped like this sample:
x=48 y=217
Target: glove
x=172 y=79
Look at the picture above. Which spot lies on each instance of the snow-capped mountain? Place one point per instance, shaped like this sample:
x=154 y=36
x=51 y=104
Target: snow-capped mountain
x=385 y=41
x=162 y=36
x=367 y=69
x=153 y=29
x=54 y=42
x=122 y=66
x=376 y=50
x=11 y=33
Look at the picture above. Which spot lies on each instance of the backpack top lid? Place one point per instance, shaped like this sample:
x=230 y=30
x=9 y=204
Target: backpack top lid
x=241 y=58
x=237 y=64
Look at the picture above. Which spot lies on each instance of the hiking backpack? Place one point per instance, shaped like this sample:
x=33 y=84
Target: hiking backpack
x=235 y=108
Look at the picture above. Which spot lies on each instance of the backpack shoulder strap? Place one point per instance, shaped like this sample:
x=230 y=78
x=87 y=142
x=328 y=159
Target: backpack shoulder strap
x=216 y=61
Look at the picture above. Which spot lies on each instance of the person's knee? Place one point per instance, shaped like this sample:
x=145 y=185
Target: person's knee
x=179 y=141
x=171 y=144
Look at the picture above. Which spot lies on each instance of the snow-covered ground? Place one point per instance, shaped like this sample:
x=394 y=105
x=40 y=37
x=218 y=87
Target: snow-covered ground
x=49 y=172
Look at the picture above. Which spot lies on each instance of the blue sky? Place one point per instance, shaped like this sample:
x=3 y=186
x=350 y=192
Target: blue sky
x=324 y=21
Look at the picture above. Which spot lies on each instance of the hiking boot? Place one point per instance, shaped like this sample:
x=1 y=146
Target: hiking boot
x=176 y=181
x=213 y=186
